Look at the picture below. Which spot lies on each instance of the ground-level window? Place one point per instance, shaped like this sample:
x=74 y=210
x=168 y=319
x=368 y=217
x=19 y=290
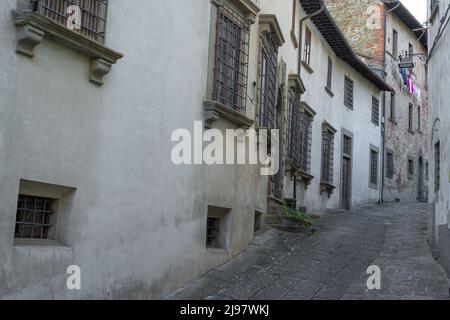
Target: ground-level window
x=212 y=233
x=34 y=217
x=373 y=177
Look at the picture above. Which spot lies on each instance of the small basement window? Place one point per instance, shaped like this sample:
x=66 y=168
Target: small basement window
x=258 y=222
x=218 y=228
x=35 y=216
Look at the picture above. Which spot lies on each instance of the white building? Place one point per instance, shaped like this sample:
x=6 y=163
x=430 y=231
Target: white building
x=86 y=176
x=439 y=131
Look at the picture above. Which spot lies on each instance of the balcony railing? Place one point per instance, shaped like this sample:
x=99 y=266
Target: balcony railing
x=93 y=15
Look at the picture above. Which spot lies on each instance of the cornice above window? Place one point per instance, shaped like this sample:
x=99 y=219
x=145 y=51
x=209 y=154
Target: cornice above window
x=34 y=27
x=328 y=128
x=269 y=23
x=248 y=7
x=295 y=83
x=305 y=108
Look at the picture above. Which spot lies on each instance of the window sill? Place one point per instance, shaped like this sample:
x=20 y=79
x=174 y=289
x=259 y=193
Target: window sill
x=330 y=93
x=294 y=39
x=373 y=186
x=39 y=244
x=393 y=122
x=307 y=67
x=376 y=124
x=305 y=177
x=327 y=187
x=215 y=110
x=411 y=131
x=33 y=28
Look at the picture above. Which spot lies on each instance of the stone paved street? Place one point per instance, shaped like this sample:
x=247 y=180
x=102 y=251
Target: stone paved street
x=332 y=263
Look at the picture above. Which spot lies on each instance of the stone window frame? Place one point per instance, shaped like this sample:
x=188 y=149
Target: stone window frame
x=411 y=118
x=61 y=196
x=394 y=44
x=373 y=149
x=327 y=161
x=214 y=110
x=32 y=27
x=223 y=216
x=393 y=107
x=270 y=40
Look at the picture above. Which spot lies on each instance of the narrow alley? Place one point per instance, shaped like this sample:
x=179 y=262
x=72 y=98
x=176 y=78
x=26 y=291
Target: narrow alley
x=332 y=263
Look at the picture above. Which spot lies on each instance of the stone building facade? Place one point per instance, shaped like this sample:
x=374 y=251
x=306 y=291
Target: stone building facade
x=381 y=32
x=87 y=122
x=439 y=130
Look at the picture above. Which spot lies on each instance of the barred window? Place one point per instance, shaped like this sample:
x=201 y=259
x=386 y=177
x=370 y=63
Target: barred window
x=231 y=59
x=300 y=135
x=348 y=92
x=93 y=15
x=268 y=79
x=375 y=111
x=307 y=46
x=34 y=217
x=329 y=73
x=212 y=233
x=373 y=167
x=347 y=146
x=327 y=155
x=390 y=169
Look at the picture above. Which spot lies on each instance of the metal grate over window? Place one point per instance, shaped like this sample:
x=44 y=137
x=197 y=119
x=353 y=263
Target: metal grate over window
x=93 y=15
x=231 y=59
x=327 y=156
x=268 y=80
x=212 y=233
x=348 y=92
x=307 y=47
x=375 y=111
x=347 y=146
x=300 y=135
x=33 y=219
x=373 y=167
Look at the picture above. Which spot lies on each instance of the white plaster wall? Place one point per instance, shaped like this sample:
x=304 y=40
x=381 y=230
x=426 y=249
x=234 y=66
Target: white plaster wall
x=136 y=224
x=439 y=68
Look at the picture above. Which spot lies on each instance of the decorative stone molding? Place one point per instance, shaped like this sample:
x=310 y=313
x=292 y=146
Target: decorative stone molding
x=307 y=109
x=33 y=27
x=295 y=83
x=248 y=7
x=269 y=23
x=328 y=128
x=305 y=177
x=215 y=110
x=327 y=187
x=28 y=37
x=98 y=69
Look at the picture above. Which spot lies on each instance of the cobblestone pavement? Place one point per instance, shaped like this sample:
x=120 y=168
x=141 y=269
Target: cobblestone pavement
x=332 y=264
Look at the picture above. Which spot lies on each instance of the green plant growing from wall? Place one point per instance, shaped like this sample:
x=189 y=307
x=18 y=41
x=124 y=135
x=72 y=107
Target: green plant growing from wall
x=303 y=218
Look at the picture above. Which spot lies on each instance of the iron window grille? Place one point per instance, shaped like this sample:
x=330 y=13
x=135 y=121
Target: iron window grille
x=93 y=15
x=373 y=167
x=347 y=146
x=348 y=92
x=390 y=165
x=410 y=168
x=327 y=157
x=231 y=59
x=34 y=215
x=300 y=135
x=268 y=80
x=212 y=233
x=307 y=47
x=375 y=111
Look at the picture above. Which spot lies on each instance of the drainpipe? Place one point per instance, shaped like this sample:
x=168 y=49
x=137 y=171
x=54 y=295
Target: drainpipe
x=383 y=124
x=300 y=37
x=300 y=46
